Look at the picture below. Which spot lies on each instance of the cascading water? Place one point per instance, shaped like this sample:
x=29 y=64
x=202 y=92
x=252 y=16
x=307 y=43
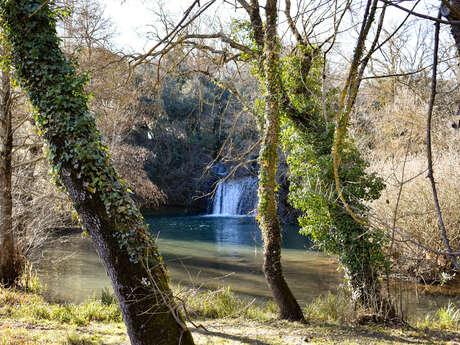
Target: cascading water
x=237 y=197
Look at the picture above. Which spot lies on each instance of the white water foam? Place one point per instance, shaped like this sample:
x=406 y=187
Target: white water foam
x=235 y=198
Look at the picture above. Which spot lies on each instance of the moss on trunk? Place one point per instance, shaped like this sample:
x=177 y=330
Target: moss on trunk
x=11 y=261
x=268 y=159
x=82 y=166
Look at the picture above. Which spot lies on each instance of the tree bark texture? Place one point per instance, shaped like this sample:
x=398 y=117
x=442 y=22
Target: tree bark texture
x=83 y=167
x=453 y=13
x=10 y=259
x=267 y=210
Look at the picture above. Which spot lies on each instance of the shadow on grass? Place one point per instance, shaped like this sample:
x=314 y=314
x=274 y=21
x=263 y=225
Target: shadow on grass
x=360 y=334
x=443 y=335
x=409 y=336
x=241 y=339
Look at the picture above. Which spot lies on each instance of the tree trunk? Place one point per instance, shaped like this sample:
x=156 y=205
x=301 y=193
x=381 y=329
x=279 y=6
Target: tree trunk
x=10 y=259
x=82 y=166
x=268 y=159
x=453 y=13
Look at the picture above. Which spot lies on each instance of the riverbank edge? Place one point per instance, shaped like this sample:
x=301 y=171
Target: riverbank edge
x=217 y=317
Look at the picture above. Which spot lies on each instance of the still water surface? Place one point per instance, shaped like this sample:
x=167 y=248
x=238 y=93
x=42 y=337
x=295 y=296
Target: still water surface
x=203 y=251
x=210 y=252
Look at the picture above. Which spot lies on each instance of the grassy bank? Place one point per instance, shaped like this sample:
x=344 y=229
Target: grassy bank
x=219 y=317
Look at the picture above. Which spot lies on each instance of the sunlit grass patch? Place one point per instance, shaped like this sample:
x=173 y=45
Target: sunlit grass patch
x=78 y=339
x=331 y=308
x=16 y=337
x=33 y=307
x=29 y=281
x=108 y=297
x=55 y=333
x=445 y=318
x=223 y=303
x=228 y=319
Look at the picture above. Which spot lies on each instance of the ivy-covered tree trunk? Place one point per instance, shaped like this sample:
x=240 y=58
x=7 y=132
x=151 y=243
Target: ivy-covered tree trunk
x=10 y=259
x=82 y=165
x=268 y=159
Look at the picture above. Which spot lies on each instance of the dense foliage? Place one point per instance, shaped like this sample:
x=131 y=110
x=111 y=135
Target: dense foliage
x=312 y=189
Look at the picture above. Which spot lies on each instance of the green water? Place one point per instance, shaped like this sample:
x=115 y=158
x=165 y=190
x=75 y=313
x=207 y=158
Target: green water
x=211 y=252
x=200 y=251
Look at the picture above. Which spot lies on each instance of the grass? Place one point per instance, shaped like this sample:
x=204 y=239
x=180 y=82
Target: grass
x=445 y=318
x=32 y=307
x=223 y=303
x=76 y=339
x=29 y=281
x=331 y=308
x=26 y=318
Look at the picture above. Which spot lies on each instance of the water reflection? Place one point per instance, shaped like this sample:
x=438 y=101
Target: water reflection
x=222 y=231
x=212 y=252
x=208 y=251
x=71 y=270
x=217 y=251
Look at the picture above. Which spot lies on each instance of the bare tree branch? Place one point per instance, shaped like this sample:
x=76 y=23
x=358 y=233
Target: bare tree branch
x=176 y=30
x=421 y=15
x=428 y=142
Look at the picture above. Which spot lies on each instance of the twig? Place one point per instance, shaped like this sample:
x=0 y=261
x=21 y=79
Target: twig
x=178 y=28
x=38 y=9
x=421 y=15
x=428 y=142
x=402 y=182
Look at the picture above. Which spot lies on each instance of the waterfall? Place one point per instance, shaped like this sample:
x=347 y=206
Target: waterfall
x=237 y=197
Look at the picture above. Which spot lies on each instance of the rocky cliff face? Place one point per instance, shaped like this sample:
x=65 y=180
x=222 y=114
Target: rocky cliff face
x=178 y=168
